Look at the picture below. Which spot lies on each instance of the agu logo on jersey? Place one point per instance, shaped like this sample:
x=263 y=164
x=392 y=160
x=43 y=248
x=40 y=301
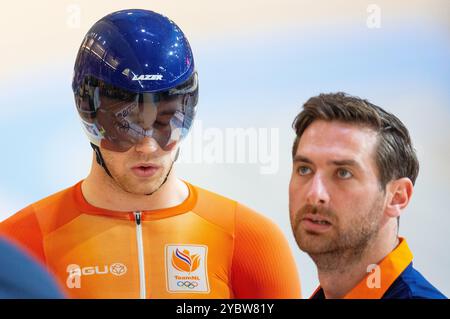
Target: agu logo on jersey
x=75 y=272
x=186 y=268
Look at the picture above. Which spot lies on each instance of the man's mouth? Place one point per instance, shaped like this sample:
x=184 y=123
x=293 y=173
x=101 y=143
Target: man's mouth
x=145 y=169
x=146 y=165
x=318 y=221
x=315 y=223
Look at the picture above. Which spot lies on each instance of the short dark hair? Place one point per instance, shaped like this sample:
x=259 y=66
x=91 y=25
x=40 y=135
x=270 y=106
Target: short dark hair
x=395 y=155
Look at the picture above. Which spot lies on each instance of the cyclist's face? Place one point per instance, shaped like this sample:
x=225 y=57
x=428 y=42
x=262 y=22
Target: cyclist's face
x=142 y=169
x=126 y=123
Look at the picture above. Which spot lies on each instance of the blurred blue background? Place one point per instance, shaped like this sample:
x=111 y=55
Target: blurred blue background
x=258 y=62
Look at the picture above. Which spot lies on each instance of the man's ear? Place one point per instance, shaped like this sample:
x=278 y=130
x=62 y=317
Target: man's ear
x=399 y=195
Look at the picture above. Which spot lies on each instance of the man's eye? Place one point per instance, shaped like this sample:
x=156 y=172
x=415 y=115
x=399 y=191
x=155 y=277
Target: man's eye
x=163 y=120
x=303 y=170
x=161 y=124
x=344 y=174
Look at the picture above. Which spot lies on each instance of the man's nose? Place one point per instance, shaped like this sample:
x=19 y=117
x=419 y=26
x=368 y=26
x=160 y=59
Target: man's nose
x=317 y=192
x=147 y=145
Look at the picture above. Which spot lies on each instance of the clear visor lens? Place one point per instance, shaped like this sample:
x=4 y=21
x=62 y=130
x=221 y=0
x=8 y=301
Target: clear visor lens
x=117 y=120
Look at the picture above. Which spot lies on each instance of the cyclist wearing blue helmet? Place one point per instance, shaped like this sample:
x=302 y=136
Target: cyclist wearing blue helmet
x=132 y=229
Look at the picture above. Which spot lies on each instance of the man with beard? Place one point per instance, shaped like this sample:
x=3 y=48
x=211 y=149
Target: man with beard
x=354 y=168
x=132 y=229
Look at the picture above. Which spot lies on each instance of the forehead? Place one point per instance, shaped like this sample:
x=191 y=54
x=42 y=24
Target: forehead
x=335 y=140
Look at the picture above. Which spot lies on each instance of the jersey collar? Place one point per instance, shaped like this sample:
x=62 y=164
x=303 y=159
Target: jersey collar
x=186 y=206
x=389 y=269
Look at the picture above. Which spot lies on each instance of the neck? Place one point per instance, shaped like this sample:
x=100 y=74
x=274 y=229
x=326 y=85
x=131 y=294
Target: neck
x=101 y=191
x=336 y=283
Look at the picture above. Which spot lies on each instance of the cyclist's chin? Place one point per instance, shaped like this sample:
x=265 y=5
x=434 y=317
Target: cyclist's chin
x=142 y=185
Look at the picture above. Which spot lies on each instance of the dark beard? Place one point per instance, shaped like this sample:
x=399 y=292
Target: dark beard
x=342 y=257
x=347 y=246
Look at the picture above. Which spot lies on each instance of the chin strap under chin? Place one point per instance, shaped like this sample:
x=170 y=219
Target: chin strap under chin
x=101 y=162
x=167 y=175
x=99 y=157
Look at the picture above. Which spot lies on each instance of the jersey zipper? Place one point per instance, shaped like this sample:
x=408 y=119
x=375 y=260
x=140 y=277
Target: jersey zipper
x=140 y=246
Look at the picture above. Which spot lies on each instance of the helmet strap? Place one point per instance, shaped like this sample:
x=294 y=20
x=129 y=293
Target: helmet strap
x=99 y=157
x=168 y=173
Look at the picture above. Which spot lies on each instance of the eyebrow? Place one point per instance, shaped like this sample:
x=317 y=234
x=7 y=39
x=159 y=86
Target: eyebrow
x=344 y=162
x=300 y=158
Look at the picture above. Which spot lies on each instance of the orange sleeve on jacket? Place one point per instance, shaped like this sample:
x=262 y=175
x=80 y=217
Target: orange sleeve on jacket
x=263 y=265
x=23 y=229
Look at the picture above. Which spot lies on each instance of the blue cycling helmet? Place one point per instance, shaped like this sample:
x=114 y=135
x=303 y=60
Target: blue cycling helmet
x=134 y=77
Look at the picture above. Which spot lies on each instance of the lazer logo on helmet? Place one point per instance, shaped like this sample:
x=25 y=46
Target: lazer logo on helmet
x=147 y=77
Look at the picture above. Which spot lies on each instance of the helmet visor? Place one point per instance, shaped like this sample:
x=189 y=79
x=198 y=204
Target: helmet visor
x=117 y=119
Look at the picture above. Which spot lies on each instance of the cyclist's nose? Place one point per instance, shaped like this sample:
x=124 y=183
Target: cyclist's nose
x=148 y=112
x=147 y=145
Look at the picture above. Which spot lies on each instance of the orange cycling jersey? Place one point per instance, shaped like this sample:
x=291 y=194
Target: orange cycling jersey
x=206 y=247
